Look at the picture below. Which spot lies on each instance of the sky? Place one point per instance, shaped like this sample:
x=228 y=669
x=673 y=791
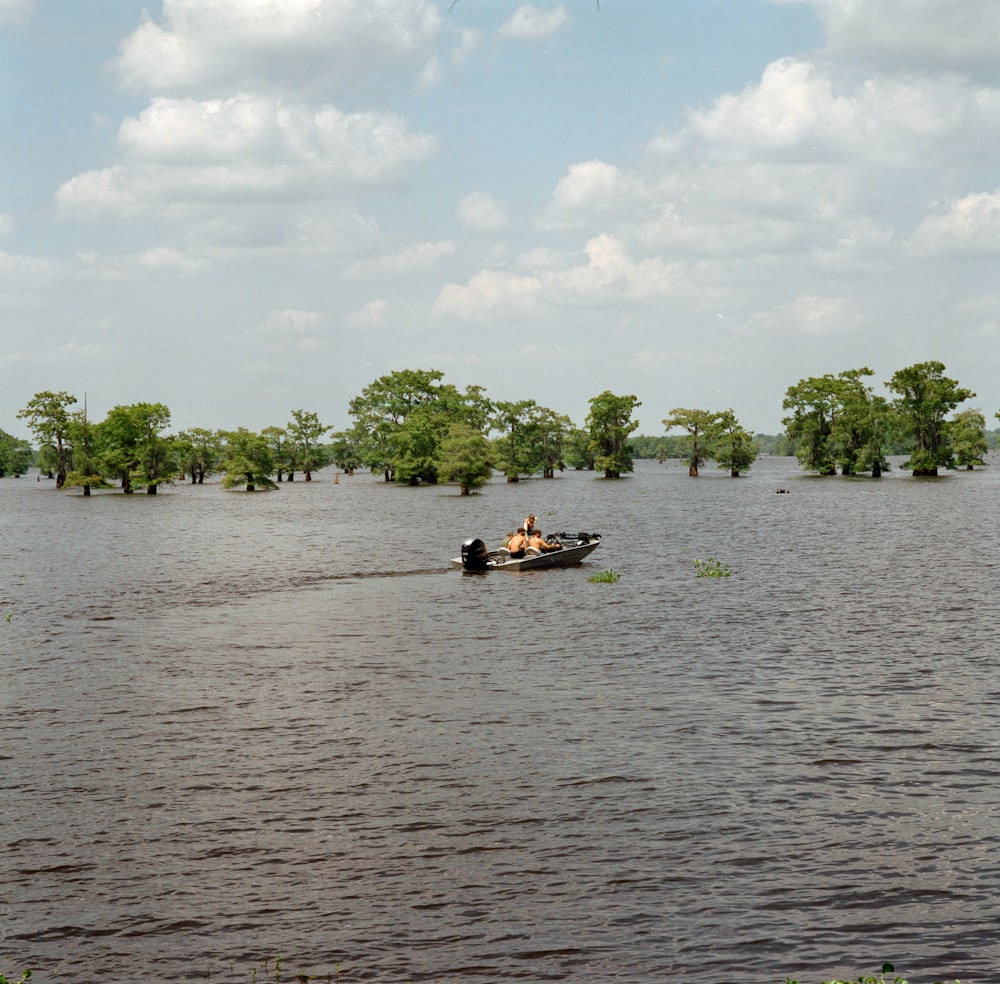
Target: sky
x=240 y=208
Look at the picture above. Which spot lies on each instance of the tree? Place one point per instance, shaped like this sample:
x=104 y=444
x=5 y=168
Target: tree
x=134 y=448
x=248 y=461
x=418 y=445
x=15 y=455
x=925 y=396
x=465 y=458
x=860 y=425
x=550 y=433
x=609 y=424
x=88 y=471
x=304 y=432
x=514 y=450
x=344 y=452
x=578 y=452
x=813 y=403
x=382 y=409
x=48 y=416
x=968 y=438
x=198 y=452
x=698 y=424
x=731 y=445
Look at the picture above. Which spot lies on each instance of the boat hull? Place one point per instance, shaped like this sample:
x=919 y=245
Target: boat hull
x=500 y=560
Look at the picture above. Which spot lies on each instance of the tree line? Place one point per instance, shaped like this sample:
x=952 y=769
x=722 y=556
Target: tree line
x=414 y=428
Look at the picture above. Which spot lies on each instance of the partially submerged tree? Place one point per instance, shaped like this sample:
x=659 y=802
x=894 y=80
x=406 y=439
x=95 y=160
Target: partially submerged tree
x=465 y=458
x=15 y=455
x=304 y=432
x=699 y=425
x=134 y=448
x=925 y=397
x=968 y=438
x=731 y=445
x=48 y=416
x=198 y=452
x=248 y=461
x=609 y=424
x=813 y=403
x=88 y=471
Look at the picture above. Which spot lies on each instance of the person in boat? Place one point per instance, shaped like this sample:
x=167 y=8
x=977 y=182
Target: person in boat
x=517 y=543
x=536 y=541
x=529 y=524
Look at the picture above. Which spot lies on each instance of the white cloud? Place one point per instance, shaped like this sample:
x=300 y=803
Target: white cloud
x=483 y=213
x=164 y=259
x=807 y=315
x=913 y=35
x=488 y=293
x=413 y=259
x=530 y=23
x=588 y=191
x=247 y=148
x=283 y=45
x=607 y=276
x=371 y=315
x=969 y=225
x=292 y=331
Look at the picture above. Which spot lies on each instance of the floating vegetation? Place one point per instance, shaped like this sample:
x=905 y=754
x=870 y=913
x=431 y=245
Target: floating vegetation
x=711 y=568
x=604 y=577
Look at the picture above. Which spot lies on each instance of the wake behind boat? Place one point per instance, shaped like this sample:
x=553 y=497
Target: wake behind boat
x=575 y=547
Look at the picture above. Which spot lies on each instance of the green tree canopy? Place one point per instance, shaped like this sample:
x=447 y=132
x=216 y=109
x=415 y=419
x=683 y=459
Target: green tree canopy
x=48 y=416
x=925 y=397
x=248 y=461
x=134 y=449
x=305 y=431
x=699 y=425
x=730 y=445
x=15 y=455
x=465 y=458
x=609 y=424
x=968 y=438
x=198 y=452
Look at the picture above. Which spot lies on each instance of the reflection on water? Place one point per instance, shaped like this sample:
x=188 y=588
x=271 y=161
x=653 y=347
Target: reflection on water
x=229 y=732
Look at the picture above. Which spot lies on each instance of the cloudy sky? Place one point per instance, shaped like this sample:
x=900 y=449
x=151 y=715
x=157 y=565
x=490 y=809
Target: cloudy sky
x=244 y=207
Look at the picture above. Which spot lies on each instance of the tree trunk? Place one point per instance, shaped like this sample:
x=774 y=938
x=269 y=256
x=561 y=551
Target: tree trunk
x=877 y=470
x=692 y=470
x=86 y=490
x=151 y=488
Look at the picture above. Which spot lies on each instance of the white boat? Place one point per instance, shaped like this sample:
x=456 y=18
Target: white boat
x=575 y=547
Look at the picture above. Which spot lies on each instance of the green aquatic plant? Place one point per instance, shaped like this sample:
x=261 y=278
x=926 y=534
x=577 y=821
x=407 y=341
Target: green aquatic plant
x=711 y=568
x=4 y=979
x=604 y=577
x=299 y=976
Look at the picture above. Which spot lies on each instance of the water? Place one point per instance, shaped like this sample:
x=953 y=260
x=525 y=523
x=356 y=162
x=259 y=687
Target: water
x=235 y=726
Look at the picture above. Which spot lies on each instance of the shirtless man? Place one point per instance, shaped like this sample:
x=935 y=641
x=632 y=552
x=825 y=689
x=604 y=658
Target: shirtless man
x=517 y=543
x=536 y=541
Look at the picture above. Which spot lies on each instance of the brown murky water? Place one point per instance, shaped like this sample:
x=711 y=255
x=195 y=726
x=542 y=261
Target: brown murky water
x=235 y=726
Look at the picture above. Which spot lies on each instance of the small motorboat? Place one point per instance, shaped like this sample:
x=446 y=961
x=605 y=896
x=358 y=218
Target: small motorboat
x=575 y=547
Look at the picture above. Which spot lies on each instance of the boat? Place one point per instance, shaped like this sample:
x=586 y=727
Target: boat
x=575 y=547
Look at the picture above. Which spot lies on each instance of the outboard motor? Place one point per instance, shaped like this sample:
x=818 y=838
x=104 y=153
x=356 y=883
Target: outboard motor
x=474 y=554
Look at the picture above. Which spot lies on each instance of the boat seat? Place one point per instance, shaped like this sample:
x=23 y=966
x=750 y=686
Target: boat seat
x=532 y=552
